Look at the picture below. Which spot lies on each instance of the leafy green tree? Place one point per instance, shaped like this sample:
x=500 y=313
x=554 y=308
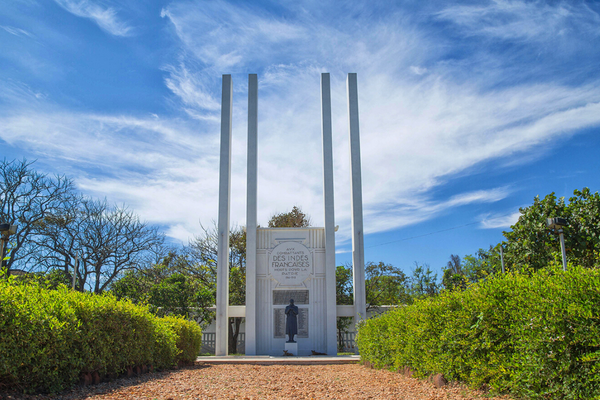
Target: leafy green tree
x=292 y=219
x=50 y=279
x=343 y=296
x=482 y=264
x=458 y=273
x=385 y=285
x=343 y=285
x=169 y=288
x=454 y=276
x=423 y=282
x=531 y=245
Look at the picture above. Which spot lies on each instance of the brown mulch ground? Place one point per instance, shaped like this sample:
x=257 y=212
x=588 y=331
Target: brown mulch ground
x=235 y=381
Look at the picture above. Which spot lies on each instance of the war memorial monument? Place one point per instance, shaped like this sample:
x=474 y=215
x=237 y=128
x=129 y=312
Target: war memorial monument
x=284 y=264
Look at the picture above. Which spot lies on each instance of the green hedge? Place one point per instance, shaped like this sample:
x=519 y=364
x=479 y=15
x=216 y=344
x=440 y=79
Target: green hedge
x=49 y=338
x=533 y=336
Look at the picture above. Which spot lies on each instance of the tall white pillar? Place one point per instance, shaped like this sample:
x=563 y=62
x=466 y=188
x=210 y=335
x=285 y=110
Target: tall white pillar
x=358 y=247
x=222 y=333
x=251 y=210
x=330 y=299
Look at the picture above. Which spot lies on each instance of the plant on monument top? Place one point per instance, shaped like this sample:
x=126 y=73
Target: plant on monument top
x=291 y=219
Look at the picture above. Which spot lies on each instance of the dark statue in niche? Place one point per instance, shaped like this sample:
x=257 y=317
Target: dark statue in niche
x=291 y=325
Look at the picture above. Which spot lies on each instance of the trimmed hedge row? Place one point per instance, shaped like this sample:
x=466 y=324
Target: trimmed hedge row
x=533 y=336
x=49 y=338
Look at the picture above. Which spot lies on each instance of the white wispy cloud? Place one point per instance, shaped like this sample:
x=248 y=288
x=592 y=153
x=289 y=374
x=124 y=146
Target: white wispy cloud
x=494 y=221
x=16 y=92
x=190 y=88
x=415 y=134
x=421 y=123
x=224 y=35
x=105 y=17
x=519 y=20
x=16 y=31
x=161 y=168
x=420 y=208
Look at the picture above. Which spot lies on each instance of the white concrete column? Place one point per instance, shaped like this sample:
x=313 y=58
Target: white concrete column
x=358 y=247
x=330 y=299
x=251 y=210
x=222 y=333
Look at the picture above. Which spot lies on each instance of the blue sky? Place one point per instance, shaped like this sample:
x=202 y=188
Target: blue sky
x=467 y=109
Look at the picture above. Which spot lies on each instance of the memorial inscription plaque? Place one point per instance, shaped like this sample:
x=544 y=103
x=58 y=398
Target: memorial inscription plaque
x=282 y=297
x=302 y=323
x=279 y=323
x=290 y=263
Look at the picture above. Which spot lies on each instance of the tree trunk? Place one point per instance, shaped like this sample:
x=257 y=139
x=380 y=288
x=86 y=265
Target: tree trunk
x=234 y=331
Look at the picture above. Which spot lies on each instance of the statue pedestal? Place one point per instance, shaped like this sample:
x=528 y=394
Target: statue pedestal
x=292 y=348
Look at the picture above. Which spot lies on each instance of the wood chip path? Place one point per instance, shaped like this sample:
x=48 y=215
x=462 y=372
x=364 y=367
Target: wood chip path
x=231 y=381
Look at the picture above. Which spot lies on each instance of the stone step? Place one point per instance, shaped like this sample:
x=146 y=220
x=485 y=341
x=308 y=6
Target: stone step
x=272 y=360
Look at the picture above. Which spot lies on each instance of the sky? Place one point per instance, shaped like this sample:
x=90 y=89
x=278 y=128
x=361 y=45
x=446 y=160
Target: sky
x=468 y=110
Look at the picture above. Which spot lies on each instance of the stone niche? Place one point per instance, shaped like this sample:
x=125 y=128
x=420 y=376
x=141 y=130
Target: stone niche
x=290 y=265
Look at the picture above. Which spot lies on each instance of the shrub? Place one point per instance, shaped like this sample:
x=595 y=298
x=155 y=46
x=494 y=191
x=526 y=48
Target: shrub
x=536 y=336
x=51 y=337
x=189 y=337
x=39 y=331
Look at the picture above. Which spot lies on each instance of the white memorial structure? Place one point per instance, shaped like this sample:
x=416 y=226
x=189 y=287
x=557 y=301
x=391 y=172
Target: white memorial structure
x=288 y=263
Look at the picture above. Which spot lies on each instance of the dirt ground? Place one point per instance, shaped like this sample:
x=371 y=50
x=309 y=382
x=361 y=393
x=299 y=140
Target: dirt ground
x=235 y=381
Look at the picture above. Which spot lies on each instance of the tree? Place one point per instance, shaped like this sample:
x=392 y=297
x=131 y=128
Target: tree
x=482 y=264
x=385 y=285
x=473 y=268
x=292 y=219
x=51 y=279
x=106 y=240
x=343 y=285
x=26 y=198
x=531 y=245
x=169 y=288
x=343 y=296
x=202 y=251
x=423 y=281
x=454 y=277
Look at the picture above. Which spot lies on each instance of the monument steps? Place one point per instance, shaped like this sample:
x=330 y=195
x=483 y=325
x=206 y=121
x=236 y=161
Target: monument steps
x=280 y=360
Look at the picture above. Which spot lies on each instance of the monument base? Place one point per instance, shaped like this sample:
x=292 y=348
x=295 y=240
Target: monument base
x=291 y=349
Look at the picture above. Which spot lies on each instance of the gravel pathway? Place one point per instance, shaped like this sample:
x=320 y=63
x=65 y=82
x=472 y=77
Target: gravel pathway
x=231 y=381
